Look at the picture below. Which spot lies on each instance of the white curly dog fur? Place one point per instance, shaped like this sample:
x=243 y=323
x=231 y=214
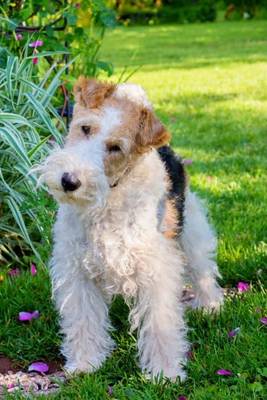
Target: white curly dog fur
x=107 y=237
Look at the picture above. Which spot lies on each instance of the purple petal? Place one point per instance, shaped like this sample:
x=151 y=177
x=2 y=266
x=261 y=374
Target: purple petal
x=35 y=314
x=110 y=390
x=19 y=36
x=28 y=316
x=234 y=332
x=35 y=60
x=38 y=367
x=25 y=316
x=37 y=43
x=187 y=161
x=33 y=270
x=242 y=287
x=224 y=372
x=10 y=386
x=14 y=272
x=263 y=320
x=182 y=398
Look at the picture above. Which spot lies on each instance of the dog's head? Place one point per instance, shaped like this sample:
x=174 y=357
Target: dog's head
x=112 y=127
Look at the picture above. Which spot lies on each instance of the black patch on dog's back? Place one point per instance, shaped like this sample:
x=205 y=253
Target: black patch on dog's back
x=175 y=169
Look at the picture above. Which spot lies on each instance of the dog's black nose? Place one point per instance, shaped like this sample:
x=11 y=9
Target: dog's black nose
x=70 y=182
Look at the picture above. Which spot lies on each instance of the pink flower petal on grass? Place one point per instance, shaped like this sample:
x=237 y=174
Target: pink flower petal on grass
x=10 y=386
x=243 y=287
x=37 y=43
x=19 y=36
x=35 y=60
x=182 y=398
x=263 y=320
x=234 y=332
x=33 y=270
x=224 y=372
x=38 y=366
x=28 y=316
x=14 y=272
x=35 y=314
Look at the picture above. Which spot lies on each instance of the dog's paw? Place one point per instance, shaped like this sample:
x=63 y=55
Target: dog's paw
x=208 y=303
x=72 y=368
x=166 y=373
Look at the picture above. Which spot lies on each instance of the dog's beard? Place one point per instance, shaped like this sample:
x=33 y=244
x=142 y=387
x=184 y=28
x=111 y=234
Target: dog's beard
x=94 y=185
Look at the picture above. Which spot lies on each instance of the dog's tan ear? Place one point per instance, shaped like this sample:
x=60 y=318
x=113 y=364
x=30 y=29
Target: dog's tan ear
x=151 y=132
x=90 y=92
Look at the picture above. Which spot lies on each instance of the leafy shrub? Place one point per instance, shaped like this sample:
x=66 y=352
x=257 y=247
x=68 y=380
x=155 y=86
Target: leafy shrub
x=249 y=7
x=78 y=27
x=183 y=11
x=28 y=122
x=178 y=11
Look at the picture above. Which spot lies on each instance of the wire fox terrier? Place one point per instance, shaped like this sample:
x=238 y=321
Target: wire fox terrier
x=127 y=224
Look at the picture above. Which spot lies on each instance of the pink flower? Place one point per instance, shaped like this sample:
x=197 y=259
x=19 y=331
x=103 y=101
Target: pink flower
x=38 y=367
x=263 y=320
x=35 y=60
x=37 y=43
x=19 y=36
x=234 y=332
x=28 y=316
x=33 y=270
x=110 y=390
x=14 y=272
x=182 y=398
x=242 y=287
x=10 y=386
x=224 y=372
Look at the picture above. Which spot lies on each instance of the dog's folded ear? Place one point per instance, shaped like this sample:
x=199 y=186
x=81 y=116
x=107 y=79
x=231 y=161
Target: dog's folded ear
x=151 y=132
x=89 y=92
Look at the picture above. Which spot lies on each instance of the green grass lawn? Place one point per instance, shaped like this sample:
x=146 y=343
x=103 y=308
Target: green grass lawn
x=209 y=85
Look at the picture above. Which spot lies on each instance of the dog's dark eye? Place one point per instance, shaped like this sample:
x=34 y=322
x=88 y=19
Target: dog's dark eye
x=86 y=129
x=113 y=148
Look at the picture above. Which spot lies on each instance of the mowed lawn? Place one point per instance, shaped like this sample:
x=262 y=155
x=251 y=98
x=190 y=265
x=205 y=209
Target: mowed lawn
x=208 y=83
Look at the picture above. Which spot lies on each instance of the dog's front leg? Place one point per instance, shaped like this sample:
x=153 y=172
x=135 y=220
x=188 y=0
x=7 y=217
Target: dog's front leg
x=158 y=315
x=83 y=312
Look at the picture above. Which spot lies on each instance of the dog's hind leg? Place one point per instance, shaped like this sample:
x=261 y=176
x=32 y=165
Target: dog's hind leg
x=199 y=243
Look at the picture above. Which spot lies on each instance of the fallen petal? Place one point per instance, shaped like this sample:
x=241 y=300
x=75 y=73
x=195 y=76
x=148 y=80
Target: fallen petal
x=10 y=386
x=38 y=367
x=14 y=272
x=25 y=316
x=35 y=314
x=234 y=332
x=28 y=316
x=243 y=287
x=224 y=372
x=263 y=320
x=33 y=270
